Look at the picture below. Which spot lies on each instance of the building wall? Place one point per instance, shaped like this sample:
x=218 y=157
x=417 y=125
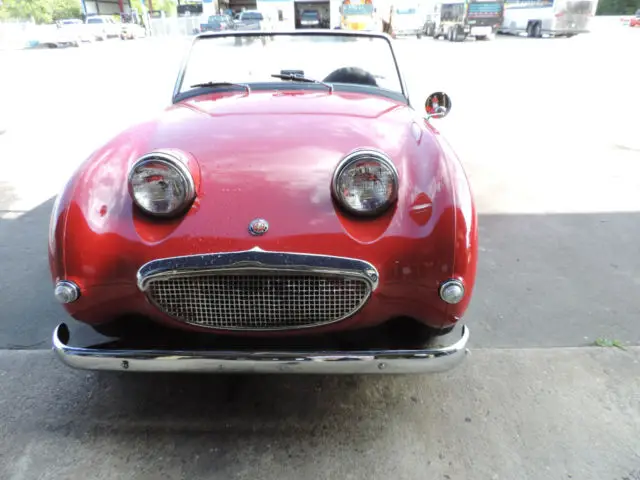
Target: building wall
x=271 y=8
x=335 y=12
x=102 y=7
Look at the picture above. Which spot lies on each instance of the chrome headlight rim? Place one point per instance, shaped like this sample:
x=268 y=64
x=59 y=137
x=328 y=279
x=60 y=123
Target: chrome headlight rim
x=357 y=155
x=172 y=159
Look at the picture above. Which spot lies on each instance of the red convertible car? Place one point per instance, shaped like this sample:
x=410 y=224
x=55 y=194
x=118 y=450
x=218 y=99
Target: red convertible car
x=291 y=211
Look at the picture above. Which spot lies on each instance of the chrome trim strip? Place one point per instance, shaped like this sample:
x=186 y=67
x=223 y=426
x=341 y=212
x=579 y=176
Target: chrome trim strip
x=429 y=360
x=256 y=260
x=421 y=207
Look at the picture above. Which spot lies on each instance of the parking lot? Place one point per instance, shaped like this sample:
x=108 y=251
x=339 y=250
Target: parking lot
x=548 y=131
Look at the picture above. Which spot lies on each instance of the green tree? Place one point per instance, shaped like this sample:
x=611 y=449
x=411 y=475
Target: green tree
x=136 y=5
x=618 y=7
x=39 y=10
x=166 y=6
x=42 y=11
x=65 y=9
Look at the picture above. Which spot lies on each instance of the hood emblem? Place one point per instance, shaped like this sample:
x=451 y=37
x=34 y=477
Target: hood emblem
x=259 y=226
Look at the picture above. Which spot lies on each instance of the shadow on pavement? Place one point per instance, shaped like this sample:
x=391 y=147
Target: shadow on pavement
x=28 y=310
x=558 y=280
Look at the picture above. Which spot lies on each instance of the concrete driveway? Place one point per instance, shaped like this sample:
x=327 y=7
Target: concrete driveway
x=544 y=128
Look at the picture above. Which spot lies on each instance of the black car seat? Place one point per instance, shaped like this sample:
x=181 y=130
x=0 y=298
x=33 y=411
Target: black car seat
x=351 y=75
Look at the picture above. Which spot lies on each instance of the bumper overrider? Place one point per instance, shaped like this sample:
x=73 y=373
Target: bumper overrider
x=320 y=361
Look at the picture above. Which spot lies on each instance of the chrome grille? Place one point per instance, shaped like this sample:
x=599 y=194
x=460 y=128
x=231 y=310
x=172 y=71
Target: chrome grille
x=259 y=302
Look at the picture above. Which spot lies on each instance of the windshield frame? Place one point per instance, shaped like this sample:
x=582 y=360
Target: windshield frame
x=179 y=96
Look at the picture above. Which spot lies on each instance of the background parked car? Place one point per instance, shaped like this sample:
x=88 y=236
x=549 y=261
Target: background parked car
x=310 y=19
x=217 y=23
x=54 y=36
x=251 y=20
x=77 y=27
x=103 y=27
x=131 y=31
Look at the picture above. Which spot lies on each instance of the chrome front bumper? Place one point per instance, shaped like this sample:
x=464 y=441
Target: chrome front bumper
x=430 y=360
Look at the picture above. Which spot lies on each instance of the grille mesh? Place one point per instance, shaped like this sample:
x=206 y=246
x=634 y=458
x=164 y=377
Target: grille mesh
x=258 y=302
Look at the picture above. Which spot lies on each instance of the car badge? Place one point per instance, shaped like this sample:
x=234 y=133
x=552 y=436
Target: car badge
x=259 y=226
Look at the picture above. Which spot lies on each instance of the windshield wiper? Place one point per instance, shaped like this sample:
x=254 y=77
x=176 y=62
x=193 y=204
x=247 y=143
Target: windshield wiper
x=300 y=78
x=222 y=84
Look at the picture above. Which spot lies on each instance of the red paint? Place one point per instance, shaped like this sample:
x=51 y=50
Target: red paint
x=271 y=155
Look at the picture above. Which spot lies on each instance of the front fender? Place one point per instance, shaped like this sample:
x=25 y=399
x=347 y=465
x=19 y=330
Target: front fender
x=465 y=241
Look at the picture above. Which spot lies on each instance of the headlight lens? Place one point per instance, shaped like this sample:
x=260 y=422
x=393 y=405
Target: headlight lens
x=366 y=182
x=161 y=185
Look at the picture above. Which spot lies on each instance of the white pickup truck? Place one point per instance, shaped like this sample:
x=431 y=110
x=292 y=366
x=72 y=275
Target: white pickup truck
x=103 y=27
x=74 y=27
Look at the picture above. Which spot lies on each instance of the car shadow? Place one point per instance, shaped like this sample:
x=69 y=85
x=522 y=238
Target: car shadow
x=29 y=311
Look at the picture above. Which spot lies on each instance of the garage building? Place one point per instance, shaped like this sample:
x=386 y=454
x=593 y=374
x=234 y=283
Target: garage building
x=287 y=12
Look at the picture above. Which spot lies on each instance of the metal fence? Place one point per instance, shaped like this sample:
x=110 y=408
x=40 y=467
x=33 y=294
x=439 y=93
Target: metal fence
x=176 y=26
x=172 y=26
x=17 y=35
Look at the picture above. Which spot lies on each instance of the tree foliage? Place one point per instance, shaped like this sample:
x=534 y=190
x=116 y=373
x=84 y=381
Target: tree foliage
x=618 y=7
x=42 y=11
x=167 y=6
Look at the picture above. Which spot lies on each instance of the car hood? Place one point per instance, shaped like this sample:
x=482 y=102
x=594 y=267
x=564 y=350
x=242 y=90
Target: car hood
x=272 y=155
x=264 y=153
x=296 y=134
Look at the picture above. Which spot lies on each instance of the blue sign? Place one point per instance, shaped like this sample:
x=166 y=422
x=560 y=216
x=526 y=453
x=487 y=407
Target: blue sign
x=528 y=3
x=361 y=9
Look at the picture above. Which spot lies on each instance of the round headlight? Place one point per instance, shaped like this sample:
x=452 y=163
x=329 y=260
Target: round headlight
x=161 y=184
x=366 y=182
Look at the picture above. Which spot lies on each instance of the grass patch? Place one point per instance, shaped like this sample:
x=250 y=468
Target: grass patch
x=605 y=342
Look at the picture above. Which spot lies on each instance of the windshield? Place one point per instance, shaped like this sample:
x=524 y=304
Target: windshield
x=95 y=20
x=310 y=15
x=253 y=59
x=406 y=11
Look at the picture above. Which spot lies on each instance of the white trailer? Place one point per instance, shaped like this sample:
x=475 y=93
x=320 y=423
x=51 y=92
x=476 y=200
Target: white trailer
x=548 y=17
x=407 y=18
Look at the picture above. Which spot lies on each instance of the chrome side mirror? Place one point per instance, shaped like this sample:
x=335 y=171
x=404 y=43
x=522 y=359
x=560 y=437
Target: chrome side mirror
x=437 y=105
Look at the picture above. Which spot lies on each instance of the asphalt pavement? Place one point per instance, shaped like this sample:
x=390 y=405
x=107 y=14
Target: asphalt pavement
x=548 y=133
